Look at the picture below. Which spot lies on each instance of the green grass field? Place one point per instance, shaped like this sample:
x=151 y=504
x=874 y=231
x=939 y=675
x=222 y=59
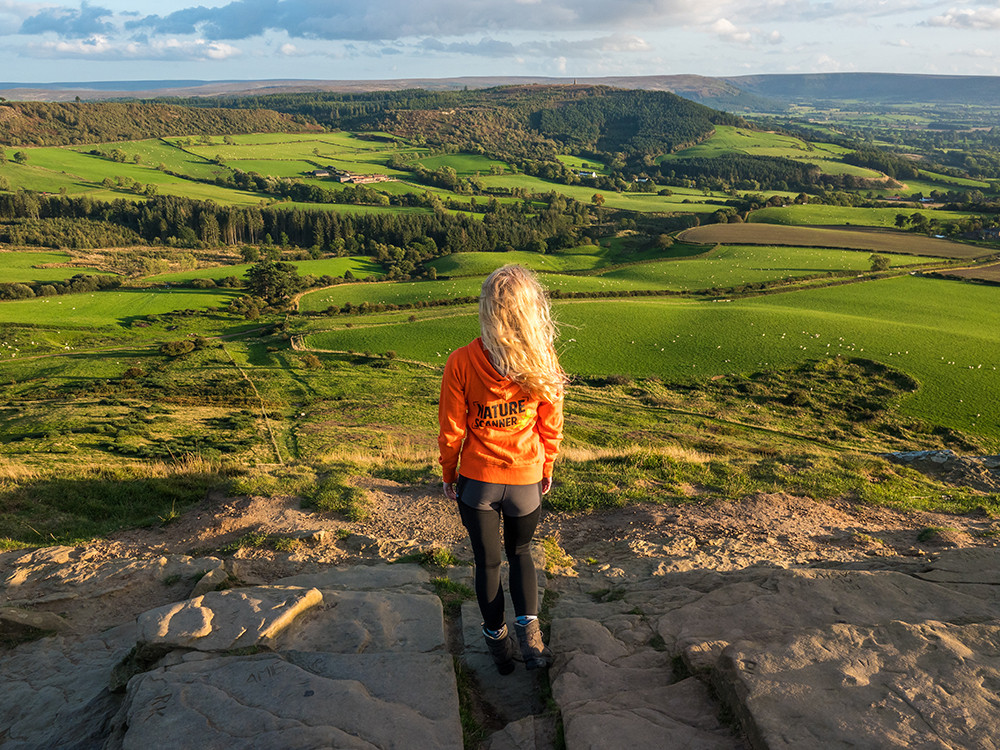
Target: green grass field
x=695 y=201
x=105 y=308
x=911 y=324
x=464 y=165
x=944 y=179
x=578 y=162
x=156 y=151
x=50 y=169
x=35 y=266
x=831 y=215
x=730 y=139
x=612 y=251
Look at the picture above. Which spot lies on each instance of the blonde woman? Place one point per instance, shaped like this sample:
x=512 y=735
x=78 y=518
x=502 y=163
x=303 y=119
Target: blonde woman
x=500 y=418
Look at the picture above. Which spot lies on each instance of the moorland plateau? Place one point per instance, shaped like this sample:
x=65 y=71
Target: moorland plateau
x=223 y=322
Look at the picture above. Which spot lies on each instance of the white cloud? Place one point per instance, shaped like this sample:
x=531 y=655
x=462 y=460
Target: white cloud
x=725 y=29
x=99 y=47
x=968 y=18
x=978 y=52
x=730 y=32
x=826 y=64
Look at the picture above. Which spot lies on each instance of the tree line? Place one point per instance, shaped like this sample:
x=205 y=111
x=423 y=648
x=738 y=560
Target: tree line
x=400 y=241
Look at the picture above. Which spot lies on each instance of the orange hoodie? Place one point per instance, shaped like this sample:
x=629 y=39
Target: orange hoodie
x=503 y=434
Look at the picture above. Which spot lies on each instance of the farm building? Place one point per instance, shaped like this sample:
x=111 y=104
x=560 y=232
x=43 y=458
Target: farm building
x=343 y=175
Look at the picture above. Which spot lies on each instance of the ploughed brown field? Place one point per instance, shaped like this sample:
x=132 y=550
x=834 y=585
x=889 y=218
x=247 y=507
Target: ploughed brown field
x=850 y=238
x=984 y=273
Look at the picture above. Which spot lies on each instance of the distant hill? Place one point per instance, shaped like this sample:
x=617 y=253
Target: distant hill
x=879 y=88
x=760 y=93
x=715 y=92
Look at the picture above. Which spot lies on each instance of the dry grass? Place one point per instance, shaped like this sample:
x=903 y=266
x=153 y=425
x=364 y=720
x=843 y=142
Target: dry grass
x=675 y=452
x=393 y=451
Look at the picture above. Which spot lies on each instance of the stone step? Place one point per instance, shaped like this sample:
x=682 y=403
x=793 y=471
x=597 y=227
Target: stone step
x=332 y=662
x=293 y=699
x=616 y=687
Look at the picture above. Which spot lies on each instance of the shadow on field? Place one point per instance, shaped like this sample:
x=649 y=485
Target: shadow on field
x=98 y=501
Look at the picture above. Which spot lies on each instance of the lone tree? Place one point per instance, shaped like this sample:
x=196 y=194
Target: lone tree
x=879 y=262
x=274 y=282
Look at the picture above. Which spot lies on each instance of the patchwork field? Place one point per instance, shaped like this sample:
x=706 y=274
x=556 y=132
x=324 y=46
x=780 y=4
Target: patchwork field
x=721 y=268
x=856 y=239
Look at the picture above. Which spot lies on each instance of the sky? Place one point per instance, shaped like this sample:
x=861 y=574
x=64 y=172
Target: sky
x=123 y=40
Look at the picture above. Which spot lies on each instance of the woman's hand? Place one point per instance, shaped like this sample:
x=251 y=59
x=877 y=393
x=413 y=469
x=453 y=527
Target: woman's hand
x=449 y=491
x=546 y=485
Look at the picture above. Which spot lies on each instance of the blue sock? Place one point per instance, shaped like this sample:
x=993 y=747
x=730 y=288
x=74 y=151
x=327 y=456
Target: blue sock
x=523 y=620
x=494 y=634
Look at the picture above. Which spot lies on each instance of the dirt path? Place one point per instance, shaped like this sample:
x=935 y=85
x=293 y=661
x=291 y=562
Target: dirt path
x=780 y=529
x=601 y=548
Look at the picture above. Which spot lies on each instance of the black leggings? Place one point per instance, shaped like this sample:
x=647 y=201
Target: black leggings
x=484 y=533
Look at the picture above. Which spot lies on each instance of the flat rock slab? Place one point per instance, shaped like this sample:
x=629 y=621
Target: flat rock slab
x=899 y=685
x=58 y=573
x=223 y=620
x=354 y=622
x=18 y=623
x=55 y=690
x=971 y=565
x=363 y=578
x=614 y=689
x=294 y=700
x=700 y=622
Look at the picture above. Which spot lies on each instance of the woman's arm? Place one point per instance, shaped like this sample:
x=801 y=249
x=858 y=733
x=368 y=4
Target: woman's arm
x=451 y=420
x=550 y=431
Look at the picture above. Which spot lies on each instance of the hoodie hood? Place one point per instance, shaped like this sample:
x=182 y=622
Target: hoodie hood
x=491 y=379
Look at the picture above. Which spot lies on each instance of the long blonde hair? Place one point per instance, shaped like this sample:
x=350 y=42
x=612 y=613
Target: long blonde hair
x=518 y=332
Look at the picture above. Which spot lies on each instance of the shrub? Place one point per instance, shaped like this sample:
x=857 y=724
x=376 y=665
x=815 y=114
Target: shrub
x=177 y=348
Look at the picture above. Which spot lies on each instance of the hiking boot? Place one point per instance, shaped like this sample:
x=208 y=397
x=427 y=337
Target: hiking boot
x=501 y=649
x=533 y=650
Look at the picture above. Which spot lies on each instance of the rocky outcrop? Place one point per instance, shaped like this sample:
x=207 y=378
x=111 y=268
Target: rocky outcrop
x=264 y=666
x=902 y=654
x=813 y=658
x=979 y=472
